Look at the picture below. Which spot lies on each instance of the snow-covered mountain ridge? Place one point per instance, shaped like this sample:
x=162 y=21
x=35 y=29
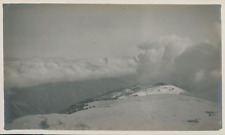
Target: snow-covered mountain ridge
x=139 y=107
x=143 y=90
x=129 y=92
x=165 y=89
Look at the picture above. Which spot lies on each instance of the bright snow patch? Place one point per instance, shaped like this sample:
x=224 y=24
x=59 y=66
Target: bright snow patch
x=165 y=89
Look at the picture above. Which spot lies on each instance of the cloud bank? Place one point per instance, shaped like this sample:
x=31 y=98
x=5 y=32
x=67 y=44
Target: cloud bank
x=34 y=72
x=177 y=60
x=169 y=59
x=159 y=56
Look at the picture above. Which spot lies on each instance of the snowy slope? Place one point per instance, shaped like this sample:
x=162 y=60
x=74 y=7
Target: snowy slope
x=128 y=92
x=166 y=109
x=143 y=90
x=165 y=89
x=159 y=112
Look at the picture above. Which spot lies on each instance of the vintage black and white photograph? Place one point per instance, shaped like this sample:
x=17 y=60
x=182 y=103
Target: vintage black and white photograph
x=112 y=67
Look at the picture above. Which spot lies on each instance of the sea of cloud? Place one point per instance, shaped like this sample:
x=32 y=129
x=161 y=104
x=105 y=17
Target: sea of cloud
x=195 y=67
x=25 y=73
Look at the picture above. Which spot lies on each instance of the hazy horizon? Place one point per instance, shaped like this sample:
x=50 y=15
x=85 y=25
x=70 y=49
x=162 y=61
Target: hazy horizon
x=179 y=44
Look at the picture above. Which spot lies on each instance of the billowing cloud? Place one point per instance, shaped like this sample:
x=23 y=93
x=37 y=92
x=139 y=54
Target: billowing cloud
x=158 y=58
x=176 y=60
x=33 y=72
x=198 y=69
x=169 y=59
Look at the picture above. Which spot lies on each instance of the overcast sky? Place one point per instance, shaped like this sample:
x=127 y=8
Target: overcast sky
x=95 y=31
x=175 y=44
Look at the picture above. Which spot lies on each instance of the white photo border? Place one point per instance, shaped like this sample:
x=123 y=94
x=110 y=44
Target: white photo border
x=102 y=132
